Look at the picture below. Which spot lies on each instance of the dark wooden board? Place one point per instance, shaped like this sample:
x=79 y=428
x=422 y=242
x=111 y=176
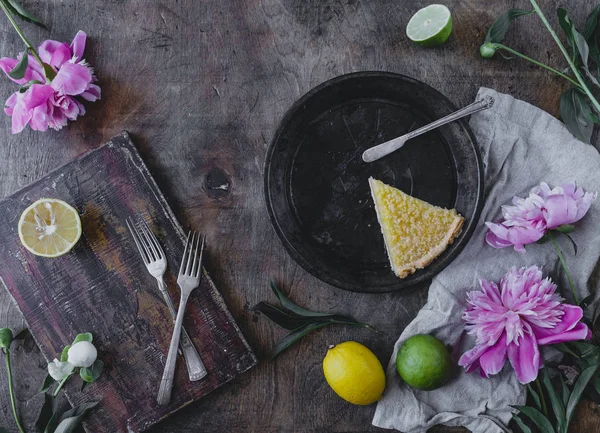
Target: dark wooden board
x=202 y=86
x=103 y=287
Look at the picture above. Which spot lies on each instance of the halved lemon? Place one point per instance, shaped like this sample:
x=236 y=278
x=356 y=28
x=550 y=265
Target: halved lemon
x=49 y=227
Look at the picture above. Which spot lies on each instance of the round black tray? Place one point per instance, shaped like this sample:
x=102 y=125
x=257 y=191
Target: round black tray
x=316 y=185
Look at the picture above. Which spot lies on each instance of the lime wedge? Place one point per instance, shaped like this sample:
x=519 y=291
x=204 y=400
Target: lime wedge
x=430 y=26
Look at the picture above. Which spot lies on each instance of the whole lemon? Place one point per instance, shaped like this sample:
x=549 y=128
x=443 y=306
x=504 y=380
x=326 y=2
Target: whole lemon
x=423 y=362
x=354 y=373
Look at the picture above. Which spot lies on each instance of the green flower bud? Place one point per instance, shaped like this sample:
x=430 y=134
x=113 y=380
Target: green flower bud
x=487 y=50
x=6 y=338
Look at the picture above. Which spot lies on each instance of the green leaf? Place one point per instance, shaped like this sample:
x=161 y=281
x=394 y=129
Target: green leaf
x=537 y=417
x=18 y=72
x=83 y=337
x=292 y=306
x=572 y=243
x=90 y=374
x=48 y=382
x=591 y=23
x=71 y=419
x=585 y=349
x=575 y=112
x=17 y=8
x=579 y=46
x=564 y=392
x=47 y=410
x=51 y=426
x=578 y=389
x=535 y=396
x=64 y=356
x=557 y=405
x=521 y=424
x=28 y=84
x=21 y=334
x=49 y=72
x=281 y=318
x=293 y=337
x=498 y=30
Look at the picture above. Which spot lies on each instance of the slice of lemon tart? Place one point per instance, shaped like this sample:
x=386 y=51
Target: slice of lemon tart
x=415 y=232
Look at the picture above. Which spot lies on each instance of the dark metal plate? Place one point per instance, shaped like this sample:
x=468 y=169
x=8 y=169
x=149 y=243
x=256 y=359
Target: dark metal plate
x=316 y=185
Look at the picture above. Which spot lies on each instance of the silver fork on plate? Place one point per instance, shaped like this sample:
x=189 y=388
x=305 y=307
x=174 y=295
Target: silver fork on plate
x=190 y=274
x=156 y=263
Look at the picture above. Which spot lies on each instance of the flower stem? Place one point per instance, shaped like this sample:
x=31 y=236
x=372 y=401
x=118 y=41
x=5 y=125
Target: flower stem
x=60 y=385
x=562 y=48
x=564 y=265
x=535 y=62
x=11 y=390
x=21 y=34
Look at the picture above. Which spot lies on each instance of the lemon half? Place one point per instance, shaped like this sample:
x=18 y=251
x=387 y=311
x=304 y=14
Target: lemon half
x=49 y=227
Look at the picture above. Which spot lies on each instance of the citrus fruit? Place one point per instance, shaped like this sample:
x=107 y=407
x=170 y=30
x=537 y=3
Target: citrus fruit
x=354 y=373
x=423 y=362
x=49 y=227
x=430 y=26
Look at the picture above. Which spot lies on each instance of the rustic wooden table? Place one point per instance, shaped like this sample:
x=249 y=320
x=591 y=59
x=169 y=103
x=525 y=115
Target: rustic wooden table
x=201 y=85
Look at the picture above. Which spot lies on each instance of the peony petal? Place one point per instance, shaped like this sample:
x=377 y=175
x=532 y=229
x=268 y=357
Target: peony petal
x=36 y=95
x=572 y=315
x=78 y=45
x=470 y=356
x=20 y=118
x=55 y=53
x=491 y=290
x=92 y=93
x=525 y=358
x=493 y=359
x=39 y=118
x=579 y=332
x=72 y=79
x=495 y=241
x=10 y=103
x=559 y=210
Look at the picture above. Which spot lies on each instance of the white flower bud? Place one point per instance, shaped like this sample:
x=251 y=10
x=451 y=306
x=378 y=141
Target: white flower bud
x=59 y=370
x=82 y=354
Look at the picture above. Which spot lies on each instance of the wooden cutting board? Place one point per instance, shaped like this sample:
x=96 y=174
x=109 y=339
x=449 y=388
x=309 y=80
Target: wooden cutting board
x=102 y=287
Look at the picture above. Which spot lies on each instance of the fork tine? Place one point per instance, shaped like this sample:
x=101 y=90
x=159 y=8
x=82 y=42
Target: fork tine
x=153 y=238
x=185 y=253
x=195 y=257
x=190 y=256
x=147 y=234
x=137 y=241
x=198 y=259
x=144 y=242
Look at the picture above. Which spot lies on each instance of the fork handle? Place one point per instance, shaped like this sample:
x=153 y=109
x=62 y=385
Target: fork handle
x=193 y=362
x=166 y=383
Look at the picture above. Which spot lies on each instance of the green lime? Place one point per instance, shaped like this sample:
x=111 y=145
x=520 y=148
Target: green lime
x=423 y=362
x=430 y=26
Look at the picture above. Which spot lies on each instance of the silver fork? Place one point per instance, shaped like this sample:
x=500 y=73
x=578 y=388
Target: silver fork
x=156 y=263
x=190 y=274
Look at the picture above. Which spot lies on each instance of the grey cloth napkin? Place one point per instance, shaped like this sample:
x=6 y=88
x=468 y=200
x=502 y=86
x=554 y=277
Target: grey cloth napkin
x=521 y=146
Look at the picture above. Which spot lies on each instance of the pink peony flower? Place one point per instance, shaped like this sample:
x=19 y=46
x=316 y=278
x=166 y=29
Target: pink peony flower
x=51 y=104
x=511 y=320
x=528 y=219
x=565 y=204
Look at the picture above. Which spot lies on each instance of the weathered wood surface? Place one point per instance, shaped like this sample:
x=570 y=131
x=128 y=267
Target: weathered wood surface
x=202 y=85
x=102 y=286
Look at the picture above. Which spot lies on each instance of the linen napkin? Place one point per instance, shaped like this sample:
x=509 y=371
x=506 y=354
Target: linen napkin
x=521 y=146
